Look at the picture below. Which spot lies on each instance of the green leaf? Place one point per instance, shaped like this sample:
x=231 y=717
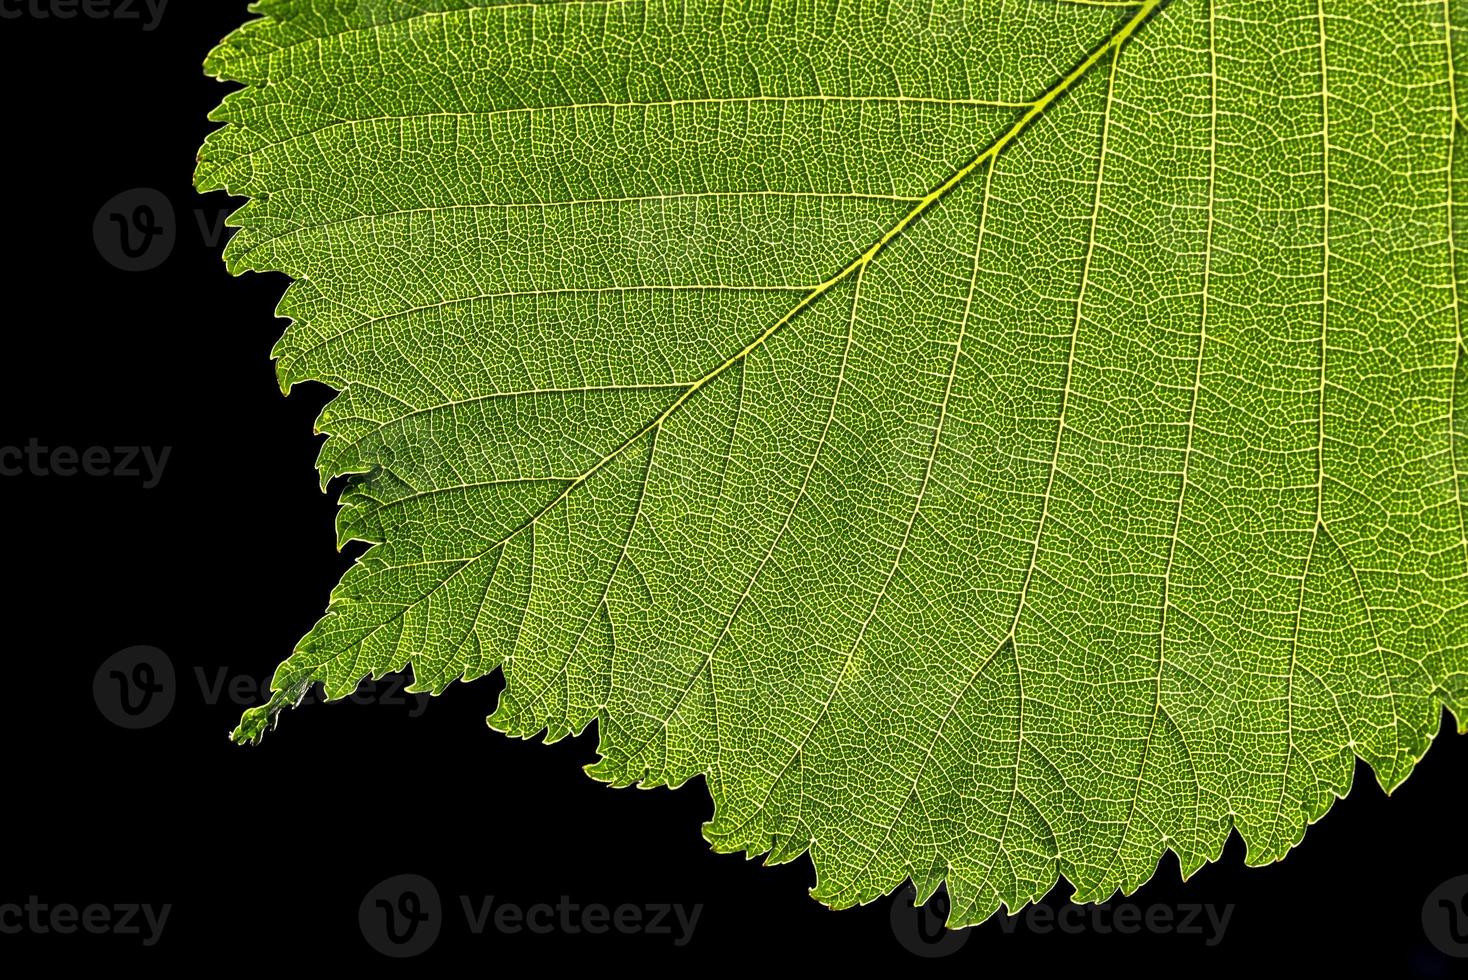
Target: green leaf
x=987 y=440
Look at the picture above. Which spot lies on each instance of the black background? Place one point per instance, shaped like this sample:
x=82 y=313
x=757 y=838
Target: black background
x=265 y=853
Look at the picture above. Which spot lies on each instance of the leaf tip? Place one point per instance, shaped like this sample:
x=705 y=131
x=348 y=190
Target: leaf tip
x=252 y=725
x=254 y=722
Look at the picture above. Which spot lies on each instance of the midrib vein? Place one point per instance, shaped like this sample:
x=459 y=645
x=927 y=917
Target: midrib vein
x=1117 y=39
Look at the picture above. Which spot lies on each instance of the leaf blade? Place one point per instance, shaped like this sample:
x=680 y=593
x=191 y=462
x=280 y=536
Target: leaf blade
x=1155 y=532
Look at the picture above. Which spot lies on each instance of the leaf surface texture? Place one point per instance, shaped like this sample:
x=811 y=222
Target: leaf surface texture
x=986 y=440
